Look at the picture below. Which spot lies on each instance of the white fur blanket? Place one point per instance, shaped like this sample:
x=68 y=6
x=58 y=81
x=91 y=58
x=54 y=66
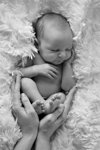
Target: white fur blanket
x=82 y=128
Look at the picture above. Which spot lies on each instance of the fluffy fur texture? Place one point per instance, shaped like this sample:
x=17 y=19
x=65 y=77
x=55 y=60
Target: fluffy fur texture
x=82 y=128
x=81 y=131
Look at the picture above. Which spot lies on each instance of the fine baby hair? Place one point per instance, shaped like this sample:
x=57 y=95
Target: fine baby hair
x=58 y=20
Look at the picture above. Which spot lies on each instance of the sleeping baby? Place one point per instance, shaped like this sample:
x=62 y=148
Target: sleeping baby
x=47 y=77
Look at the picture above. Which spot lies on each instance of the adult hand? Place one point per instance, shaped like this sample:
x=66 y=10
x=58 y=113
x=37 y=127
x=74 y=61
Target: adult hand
x=26 y=115
x=50 y=123
x=68 y=101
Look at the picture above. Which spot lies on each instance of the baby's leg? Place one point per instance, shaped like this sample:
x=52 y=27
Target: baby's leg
x=55 y=100
x=30 y=89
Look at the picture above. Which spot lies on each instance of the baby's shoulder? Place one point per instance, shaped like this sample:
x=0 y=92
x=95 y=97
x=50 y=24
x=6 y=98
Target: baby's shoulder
x=32 y=61
x=38 y=59
x=29 y=62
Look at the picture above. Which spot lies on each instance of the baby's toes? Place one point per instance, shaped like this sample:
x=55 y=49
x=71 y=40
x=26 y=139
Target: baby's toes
x=48 y=106
x=59 y=97
x=38 y=106
x=55 y=97
x=43 y=108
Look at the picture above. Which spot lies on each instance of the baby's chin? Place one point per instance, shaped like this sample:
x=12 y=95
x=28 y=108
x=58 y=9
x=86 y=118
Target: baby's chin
x=57 y=62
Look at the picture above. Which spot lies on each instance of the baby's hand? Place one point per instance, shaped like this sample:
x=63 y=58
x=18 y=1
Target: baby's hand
x=47 y=70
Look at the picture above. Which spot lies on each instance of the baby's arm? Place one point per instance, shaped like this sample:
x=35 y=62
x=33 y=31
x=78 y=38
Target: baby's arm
x=39 y=67
x=67 y=76
x=30 y=70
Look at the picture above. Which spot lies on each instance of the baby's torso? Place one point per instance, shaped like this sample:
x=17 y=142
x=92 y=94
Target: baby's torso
x=45 y=85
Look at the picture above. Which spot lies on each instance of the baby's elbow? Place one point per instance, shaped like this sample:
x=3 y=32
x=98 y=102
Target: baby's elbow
x=66 y=86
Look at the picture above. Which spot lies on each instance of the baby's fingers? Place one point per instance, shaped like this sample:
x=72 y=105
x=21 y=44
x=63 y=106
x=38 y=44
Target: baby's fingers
x=54 y=70
x=52 y=75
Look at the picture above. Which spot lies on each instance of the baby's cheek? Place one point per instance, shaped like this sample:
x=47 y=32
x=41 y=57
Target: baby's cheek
x=68 y=55
x=48 y=58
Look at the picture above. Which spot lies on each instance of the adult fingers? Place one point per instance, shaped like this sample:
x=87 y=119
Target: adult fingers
x=18 y=112
x=59 y=121
x=68 y=101
x=27 y=105
x=70 y=95
x=57 y=113
x=12 y=87
x=17 y=85
x=16 y=92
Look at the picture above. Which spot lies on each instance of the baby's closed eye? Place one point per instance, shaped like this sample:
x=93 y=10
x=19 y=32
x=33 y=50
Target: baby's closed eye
x=55 y=50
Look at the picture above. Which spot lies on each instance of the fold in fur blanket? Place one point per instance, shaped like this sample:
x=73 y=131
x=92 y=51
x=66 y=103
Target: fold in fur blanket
x=81 y=131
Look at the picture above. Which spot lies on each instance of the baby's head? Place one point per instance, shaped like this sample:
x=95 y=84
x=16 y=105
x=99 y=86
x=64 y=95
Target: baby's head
x=54 y=37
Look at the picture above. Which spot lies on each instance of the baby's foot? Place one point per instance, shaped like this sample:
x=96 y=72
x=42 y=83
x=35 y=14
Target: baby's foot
x=48 y=106
x=53 y=102
x=39 y=106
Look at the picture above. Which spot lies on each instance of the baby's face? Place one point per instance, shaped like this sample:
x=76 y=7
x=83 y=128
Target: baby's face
x=56 y=45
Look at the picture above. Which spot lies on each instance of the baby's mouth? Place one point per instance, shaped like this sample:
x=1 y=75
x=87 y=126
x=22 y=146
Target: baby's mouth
x=59 y=61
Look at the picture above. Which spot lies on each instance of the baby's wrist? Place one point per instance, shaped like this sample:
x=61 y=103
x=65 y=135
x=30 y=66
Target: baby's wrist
x=36 y=70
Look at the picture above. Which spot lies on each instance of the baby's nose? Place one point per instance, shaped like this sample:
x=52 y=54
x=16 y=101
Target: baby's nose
x=62 y=54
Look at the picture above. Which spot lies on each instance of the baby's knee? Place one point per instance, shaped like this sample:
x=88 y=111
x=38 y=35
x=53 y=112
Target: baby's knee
x=24 y=82
x=27 y=82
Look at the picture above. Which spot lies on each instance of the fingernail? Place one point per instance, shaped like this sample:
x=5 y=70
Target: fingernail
x=23 y=95
x=61 y=107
